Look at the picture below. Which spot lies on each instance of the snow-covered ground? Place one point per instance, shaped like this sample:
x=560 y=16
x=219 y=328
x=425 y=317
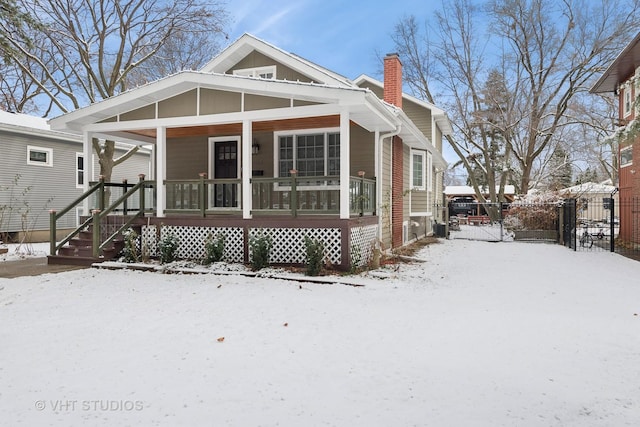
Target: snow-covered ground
x=16 y=252
x=481 y=334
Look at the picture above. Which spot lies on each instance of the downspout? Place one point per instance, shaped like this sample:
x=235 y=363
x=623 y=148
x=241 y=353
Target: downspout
x=379 y=153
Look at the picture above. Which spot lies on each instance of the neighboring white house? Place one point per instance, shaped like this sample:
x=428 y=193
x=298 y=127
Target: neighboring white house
x=42 y=169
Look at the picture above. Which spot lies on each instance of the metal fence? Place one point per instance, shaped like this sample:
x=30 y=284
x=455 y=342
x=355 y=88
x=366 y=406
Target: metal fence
x=582 y=224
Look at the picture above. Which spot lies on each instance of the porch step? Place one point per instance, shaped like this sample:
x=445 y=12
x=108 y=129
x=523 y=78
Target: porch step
x=79 y=251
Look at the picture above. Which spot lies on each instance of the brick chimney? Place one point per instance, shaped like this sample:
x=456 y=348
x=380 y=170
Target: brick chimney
x=393 y=79
x=393 y=95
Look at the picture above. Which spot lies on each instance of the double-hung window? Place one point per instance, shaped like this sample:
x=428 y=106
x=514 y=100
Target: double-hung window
x=79 y=170
x=312 y=153
x=418 y=170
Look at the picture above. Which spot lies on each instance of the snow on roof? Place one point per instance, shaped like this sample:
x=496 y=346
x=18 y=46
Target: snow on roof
x=589 y=187
x=23 y=120
x=466 y=190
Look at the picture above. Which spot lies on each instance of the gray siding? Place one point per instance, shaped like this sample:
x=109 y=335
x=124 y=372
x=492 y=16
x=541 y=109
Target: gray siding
x=256 y=59
x=42 y=188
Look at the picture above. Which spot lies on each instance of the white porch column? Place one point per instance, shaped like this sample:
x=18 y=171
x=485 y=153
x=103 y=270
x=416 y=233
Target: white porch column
x=247 y=167
x=87 y=159
x=161 y=167
x=345 y=163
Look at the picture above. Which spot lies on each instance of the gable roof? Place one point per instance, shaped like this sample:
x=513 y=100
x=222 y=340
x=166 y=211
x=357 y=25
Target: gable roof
x=620 y=69
x=247 y=43
x=440 y=117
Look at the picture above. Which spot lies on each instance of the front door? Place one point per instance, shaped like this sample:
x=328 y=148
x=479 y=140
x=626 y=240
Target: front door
x=225 y=166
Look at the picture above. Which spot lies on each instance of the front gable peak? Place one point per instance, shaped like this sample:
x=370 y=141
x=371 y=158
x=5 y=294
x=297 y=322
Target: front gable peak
x=254 y=57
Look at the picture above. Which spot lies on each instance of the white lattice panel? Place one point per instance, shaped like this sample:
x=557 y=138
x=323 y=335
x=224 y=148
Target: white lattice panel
x=288 y=243
x=192 y=241
x=362 y=241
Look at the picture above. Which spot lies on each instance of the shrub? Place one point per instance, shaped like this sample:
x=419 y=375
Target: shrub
x=168 y=246
x=130 y=251
x=260 y=247
x=315 y=256
x=214 y=249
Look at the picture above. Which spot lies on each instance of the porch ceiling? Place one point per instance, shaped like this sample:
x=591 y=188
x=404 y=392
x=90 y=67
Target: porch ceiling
x=236 y=128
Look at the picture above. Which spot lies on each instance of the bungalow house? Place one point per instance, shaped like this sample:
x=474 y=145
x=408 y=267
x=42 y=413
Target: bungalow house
x=42 y=169
x=622 y=79
x=261 y=141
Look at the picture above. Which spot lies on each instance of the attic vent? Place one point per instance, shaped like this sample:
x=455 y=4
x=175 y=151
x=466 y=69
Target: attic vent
x=259 y=72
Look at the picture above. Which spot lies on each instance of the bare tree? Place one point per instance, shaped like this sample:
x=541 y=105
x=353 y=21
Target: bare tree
x=547 y=52
x=88 y=50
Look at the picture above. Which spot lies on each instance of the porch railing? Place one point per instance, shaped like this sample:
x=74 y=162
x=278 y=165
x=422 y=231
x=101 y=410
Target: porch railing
x=100 y=190
x=293 y=195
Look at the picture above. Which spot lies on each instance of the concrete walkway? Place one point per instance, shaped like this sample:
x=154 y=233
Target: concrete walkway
x=32 y=267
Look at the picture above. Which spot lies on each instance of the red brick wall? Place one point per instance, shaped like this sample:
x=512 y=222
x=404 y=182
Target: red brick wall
x=397 y=190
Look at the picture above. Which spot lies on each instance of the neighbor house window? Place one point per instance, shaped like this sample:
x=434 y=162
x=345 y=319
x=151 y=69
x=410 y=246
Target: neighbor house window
x=260 y=72
x=417 y=170
x=39 y=156
x=627 y=101
x=79 y=170
x=626 y=156
x=311 y=153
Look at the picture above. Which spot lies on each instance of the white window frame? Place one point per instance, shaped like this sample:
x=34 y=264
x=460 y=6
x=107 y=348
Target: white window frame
x=257 y=72
x=423 y=184
x=627 y=101
x=83 y=170
x=295 y=134
x=429 y=172
x=626 y=149
x=49 y=155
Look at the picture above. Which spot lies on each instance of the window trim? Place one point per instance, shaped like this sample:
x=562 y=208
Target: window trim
x=256 y=71
x=423 y=155
x=49 y=154
x=83 y=170
x=628 y=148
x=295 y=134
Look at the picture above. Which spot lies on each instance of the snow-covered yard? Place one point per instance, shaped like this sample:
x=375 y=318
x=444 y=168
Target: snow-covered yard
x=482 y=334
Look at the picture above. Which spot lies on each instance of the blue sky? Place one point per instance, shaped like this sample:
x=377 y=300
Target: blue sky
x=341 y=35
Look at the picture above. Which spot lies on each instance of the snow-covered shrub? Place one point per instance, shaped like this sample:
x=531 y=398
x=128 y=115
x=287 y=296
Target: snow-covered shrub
x=130 y=251
x=315 y=256
x=213 y=249
x=260 y=247
x=534 y=212
x=168 y=246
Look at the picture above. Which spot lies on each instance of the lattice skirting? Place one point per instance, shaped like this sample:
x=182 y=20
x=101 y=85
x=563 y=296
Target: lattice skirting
x=192 y=241
x=288 y=243
x=362 y=244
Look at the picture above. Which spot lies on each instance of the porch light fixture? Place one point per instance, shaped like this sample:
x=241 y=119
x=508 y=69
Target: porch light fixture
x=255 y=148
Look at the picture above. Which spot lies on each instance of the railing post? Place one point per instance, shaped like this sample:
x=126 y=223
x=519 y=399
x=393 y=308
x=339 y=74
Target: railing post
x=95 y=214
x=141 y=179
x=124 y=190
x=202 y=193
x=101 y=193
x=294 y=195
x=361 y=197
x=52 y=232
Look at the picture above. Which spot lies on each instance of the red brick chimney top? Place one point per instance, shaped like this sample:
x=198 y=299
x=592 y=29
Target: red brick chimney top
x=393 y=79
